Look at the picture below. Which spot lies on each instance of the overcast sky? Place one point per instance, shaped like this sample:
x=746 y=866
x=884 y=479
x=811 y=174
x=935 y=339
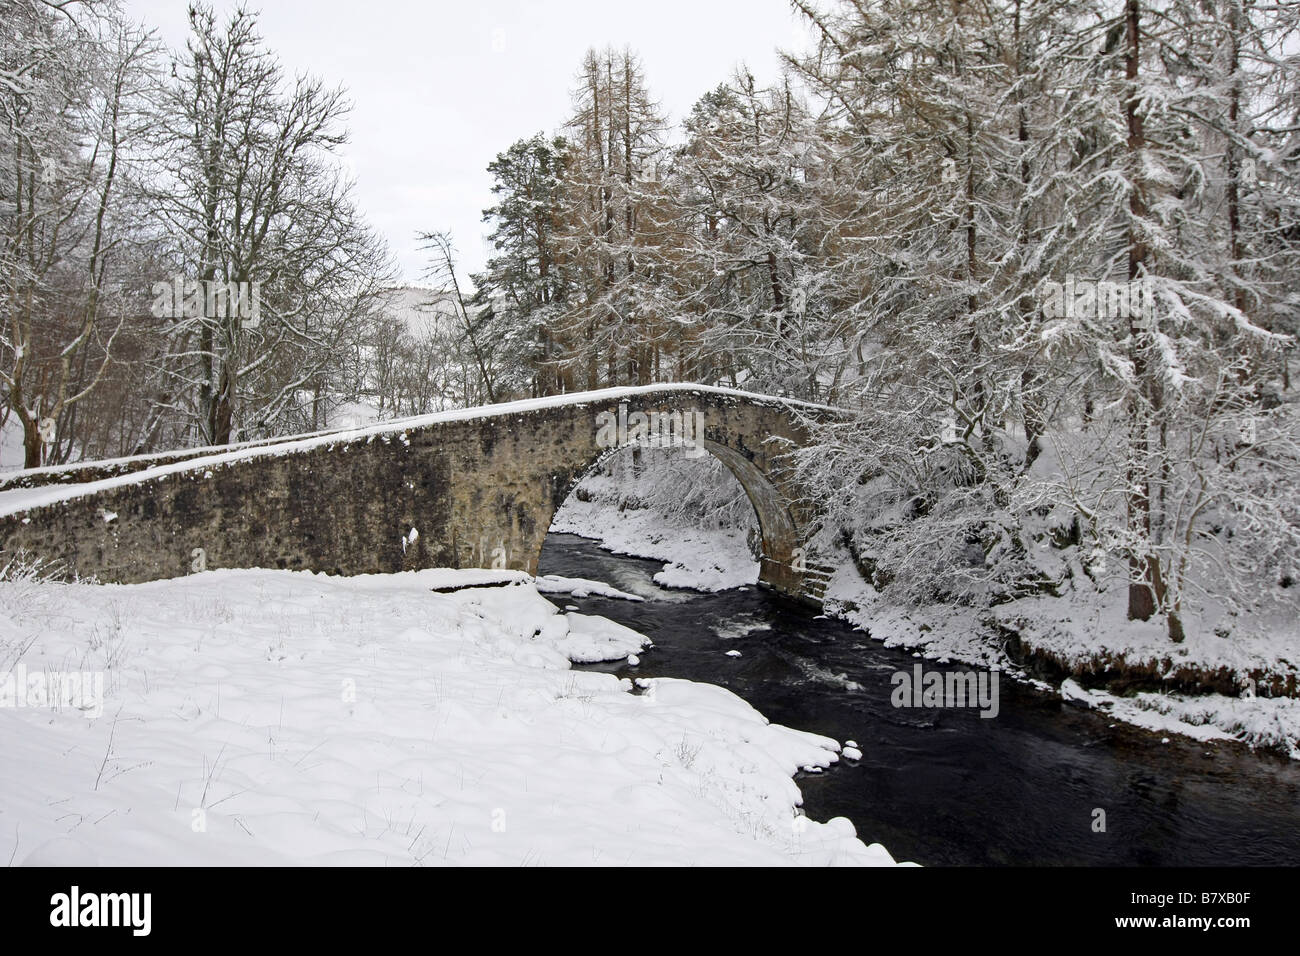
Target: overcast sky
x=440 y=87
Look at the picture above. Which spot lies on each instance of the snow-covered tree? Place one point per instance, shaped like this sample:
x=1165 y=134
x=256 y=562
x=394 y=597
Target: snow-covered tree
x=252 y=194
x=74 y=94
x=610 y=236
x=1006 y=152
x=523 y=286
x=755 y=274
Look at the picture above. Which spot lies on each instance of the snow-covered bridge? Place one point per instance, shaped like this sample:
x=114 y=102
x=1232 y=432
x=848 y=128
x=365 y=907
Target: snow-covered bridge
x=473 y=487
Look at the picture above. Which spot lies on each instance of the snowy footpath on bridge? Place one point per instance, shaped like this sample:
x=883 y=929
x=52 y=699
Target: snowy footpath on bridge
x=274 y=717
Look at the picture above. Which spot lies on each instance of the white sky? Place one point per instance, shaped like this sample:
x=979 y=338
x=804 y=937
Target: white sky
x=440 y=87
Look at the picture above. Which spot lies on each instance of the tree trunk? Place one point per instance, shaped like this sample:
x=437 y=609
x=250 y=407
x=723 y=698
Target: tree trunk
x=1143 y=568
x=33 y=446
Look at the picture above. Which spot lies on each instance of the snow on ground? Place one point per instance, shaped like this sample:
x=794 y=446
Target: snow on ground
x=706 y=559
x=354 y=415
x=274 y=717
x=1265 y=721
x=12 y=452
x=1081 y=631
x=943 y=633
x=581 y=588
x=1085 y=626
x=1087 y=630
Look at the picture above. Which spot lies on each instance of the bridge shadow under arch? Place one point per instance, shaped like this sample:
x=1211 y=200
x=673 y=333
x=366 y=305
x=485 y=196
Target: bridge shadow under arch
x=780 y=551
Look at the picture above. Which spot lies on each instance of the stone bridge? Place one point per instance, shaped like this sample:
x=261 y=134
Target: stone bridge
x=468 y=488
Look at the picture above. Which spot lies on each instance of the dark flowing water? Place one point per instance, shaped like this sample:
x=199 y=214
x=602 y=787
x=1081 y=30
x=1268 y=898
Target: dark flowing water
x=945 y=786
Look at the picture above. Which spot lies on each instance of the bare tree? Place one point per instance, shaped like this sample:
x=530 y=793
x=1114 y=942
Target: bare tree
x=252 y=194
x=442 y=273
x=74 y=87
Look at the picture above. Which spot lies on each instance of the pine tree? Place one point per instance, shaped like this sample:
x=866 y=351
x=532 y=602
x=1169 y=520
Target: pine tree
x=523 y=287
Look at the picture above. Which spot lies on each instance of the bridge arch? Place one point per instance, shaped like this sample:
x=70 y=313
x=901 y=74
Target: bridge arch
x=781 y=555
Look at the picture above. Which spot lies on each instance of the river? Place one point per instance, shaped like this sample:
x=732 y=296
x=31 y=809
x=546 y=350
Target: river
x=945 y=786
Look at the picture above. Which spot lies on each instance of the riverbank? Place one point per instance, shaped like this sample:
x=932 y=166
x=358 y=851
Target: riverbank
x=700 y=558
x=1089 y=654
x=1076 y=646
x=289 y=718
x=943 y=785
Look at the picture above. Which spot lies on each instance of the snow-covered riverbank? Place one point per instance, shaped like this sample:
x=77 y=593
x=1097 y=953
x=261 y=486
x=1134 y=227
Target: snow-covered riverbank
x=689 y=513
x=1078 y=634
x=706 y=559
x=271 y=717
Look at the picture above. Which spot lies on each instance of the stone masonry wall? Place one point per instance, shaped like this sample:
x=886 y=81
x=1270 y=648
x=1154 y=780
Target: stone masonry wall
x=479 y=492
